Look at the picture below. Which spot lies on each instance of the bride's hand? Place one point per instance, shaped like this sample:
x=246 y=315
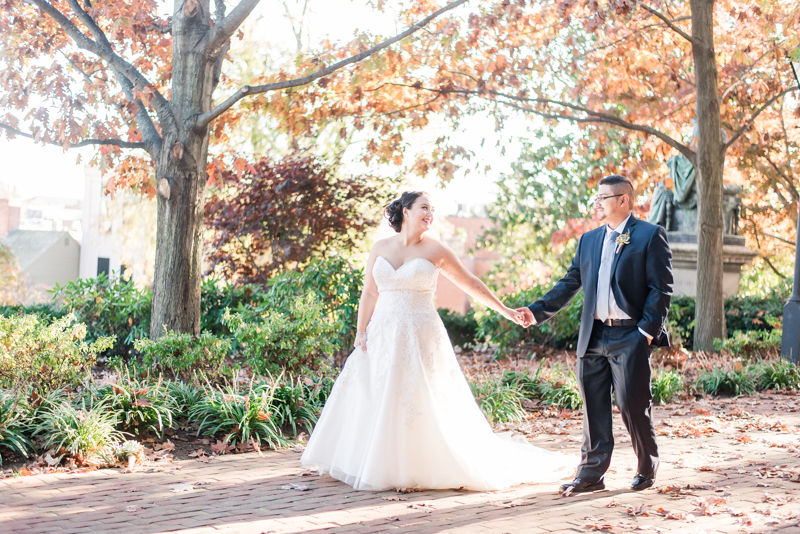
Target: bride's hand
x=361 y=341
x=513 y=315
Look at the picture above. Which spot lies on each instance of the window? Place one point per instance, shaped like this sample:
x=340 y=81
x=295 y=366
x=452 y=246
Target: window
x=103 y=266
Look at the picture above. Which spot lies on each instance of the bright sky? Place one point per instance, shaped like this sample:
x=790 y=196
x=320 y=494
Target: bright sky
x=35 y=170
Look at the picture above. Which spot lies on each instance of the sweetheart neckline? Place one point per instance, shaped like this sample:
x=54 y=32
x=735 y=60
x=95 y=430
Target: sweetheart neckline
x=407 y=262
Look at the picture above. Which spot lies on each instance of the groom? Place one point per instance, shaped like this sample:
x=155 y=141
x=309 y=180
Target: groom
x=625 y=269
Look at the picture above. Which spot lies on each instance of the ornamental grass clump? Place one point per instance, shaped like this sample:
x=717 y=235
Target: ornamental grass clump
x=141 y=406
x=239 y=417
x=13 y=425
x=778 y=374
x=552 y=386
x=737 y=380
x=293 y=403
x=184 y=394
x=500 y=403
x=87 y=434
x=42 y=356
x=665 y=386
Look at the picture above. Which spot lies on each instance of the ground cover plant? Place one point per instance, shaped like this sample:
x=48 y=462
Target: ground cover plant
x=241 y=417
x=141 y=405
x=499 y=402
x=86 y=433
x=12 y=425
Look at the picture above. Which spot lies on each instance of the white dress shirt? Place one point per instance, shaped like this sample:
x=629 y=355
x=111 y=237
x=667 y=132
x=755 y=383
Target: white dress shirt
x=614 y=311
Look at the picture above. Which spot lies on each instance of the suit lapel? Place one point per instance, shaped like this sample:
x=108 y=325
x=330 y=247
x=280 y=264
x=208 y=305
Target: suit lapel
x=597 y=256
x=629 y=226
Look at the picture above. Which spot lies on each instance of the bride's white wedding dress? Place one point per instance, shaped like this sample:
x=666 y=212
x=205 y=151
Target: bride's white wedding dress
x=401 y=414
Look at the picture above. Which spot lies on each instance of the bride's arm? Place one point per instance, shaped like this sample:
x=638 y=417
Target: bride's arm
x=366 y=305
x=455 y=271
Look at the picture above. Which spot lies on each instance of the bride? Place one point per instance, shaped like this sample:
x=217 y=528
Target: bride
x=401 y=413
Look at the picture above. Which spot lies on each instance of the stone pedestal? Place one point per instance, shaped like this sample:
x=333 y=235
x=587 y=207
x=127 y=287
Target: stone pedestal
x=684 y=262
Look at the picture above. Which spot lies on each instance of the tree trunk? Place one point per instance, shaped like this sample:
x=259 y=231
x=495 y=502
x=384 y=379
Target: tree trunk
x=710 y=310
x=181 y=178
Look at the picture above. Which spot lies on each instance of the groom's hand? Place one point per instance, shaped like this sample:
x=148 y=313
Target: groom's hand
x=528 y=318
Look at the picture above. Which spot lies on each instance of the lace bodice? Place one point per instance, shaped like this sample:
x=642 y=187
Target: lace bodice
x=407 y=290
x=417 y=274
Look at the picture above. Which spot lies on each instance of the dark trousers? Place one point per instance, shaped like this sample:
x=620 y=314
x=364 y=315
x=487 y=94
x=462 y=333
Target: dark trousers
x=618 y=359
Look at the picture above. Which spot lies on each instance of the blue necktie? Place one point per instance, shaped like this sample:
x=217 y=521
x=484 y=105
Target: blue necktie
x=604 y=276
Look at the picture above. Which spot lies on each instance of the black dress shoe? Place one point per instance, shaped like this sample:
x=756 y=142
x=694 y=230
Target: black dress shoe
x=580 y=485
x=641 y=482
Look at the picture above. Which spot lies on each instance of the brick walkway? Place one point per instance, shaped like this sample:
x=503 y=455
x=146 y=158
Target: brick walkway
x=755 y=475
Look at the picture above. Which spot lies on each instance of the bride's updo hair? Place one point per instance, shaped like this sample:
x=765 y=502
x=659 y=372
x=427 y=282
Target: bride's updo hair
x=394 y=211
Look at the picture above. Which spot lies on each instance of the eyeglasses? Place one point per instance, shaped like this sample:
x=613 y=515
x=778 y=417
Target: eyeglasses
x=601 y=198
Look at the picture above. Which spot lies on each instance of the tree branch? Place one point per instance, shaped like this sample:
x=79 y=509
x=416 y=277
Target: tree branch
x=86 y=142
x=104 y=52
x=145 y=123
x=204 y=119
x=670 y=24
x=225 y=28
x=752 y=118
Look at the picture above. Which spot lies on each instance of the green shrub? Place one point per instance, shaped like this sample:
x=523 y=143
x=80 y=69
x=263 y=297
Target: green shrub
x=665 y=386
x=82 y=433
x=561 y=331
x=216 y=296
x=753 y=342
x=140 y=406
x=742 y=314
x=108 y=307
x=335 y=283
x=45 y=356
x=778 y=374
x=273 y=341
x=13 y=425
x=45 y=312
x=736 y=381
x=182 y=355
x=239 y=417
x=499 y=402
x=462 y=329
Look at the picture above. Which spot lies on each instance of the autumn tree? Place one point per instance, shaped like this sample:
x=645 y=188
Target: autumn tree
x=120 y=76
x=281 y=214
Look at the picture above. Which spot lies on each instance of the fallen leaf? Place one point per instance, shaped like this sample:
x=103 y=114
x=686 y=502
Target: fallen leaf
x=392 y=498
x=168 y=446
x=297 y=487
x=220 y=447
x=133 y=508
x=197 y=453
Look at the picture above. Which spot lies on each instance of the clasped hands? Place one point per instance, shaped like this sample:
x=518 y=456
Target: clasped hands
x=521 y=316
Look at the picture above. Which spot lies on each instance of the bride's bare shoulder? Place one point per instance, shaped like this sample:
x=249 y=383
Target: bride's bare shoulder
x=438 y=251
x=381 y=245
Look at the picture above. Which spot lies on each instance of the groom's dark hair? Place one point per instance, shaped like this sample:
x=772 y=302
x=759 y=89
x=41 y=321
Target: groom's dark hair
x=620 y=184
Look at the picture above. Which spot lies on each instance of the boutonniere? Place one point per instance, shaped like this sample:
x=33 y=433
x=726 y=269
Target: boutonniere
x=623 y=239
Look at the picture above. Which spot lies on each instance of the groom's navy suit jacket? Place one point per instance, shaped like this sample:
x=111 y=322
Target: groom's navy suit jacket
x=641 y=281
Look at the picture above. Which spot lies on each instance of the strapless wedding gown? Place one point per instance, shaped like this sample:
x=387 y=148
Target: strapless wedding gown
x=401 y=414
